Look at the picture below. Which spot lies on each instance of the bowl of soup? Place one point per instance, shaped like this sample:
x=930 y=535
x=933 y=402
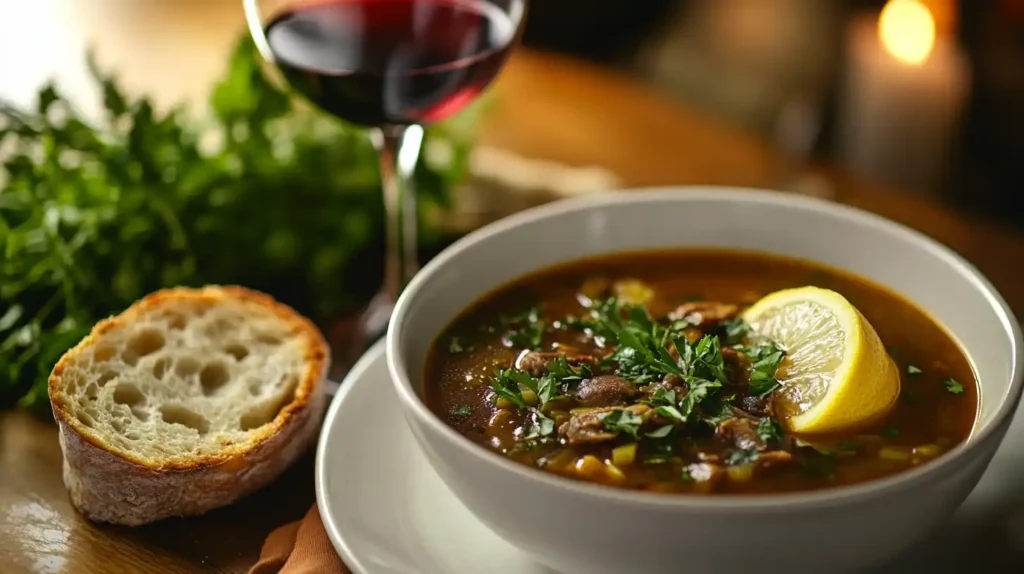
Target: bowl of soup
x=705 y=379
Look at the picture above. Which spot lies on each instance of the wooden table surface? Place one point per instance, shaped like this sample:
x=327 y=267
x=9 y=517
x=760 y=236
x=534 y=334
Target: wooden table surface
x=549 y=107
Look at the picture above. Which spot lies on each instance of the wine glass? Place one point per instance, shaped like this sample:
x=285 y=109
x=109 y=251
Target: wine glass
x=392 y=66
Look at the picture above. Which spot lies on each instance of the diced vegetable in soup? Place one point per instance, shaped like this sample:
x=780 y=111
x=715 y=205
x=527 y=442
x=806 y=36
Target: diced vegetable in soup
x=642 y=371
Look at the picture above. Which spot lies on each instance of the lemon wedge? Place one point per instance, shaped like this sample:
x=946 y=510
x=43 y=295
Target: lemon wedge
x=837 y=375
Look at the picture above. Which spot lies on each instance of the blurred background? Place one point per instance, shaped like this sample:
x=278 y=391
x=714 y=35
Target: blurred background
x=821 y=68
x=814 y=78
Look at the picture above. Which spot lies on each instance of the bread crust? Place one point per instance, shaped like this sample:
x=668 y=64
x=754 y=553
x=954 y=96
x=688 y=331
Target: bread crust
x=108 y=484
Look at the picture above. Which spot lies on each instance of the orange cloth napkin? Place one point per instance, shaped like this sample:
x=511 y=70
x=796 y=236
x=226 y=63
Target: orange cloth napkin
x=300 y=548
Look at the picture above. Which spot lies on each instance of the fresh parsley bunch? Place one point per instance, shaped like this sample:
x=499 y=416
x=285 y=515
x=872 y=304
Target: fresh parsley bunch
x=271 y=194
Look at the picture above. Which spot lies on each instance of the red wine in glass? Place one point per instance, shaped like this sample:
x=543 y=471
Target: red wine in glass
x=393 y=66
x=391 y=62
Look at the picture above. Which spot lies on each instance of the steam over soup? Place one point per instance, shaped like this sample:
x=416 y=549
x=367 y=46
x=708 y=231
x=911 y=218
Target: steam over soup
x=703 y=371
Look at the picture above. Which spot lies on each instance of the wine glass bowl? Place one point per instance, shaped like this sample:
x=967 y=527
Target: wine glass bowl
x=392 y=66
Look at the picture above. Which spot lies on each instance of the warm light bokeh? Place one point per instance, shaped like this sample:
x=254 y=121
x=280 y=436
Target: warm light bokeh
x=907 y=30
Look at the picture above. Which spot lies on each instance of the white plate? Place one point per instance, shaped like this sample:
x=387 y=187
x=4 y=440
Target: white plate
x=387 y=512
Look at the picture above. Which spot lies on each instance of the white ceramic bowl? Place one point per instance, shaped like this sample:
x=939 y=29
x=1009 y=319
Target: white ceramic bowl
x=577 y=527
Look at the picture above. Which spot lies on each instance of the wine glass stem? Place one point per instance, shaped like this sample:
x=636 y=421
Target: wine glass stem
x=398 y=148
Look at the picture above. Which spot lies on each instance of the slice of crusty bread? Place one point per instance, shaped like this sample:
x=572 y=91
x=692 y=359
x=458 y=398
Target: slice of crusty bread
x=185 y=402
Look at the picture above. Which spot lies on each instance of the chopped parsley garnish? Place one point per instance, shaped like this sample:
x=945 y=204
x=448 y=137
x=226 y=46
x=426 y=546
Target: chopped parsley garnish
x=685 y=475
x=769 y=430
x=565 y=373
x=525 y=330
x=506 y=384
x=509 y=383
x=765 y=358
x=664 y=403
x=735 y=330
x=456 y=347
x=622 y=422
x=913 y=370
x=890 y=432
x=661 y=432
x=953 y=386
x=740 y=456
x=461 y=411
x=542 y=426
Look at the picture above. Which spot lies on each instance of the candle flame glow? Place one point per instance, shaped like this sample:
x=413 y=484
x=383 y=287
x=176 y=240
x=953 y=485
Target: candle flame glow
x=907 y=30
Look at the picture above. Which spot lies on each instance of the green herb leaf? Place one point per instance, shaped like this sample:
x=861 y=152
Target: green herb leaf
x=507 y=383
x=622 y=421
x=671 y=413
x=546 y=390
x=767 y=357
x=455 y=346
x=890 y=432
x=849 y=446
x=735 y=330
x=708 y=363
x=542 y=427
x=769 y=430
x=739 y=456
x=527 y=329
x=461 y=411
x=913 y=370
x=661 y=432
x=699 y=390
x=564 y=373
x=953 y=386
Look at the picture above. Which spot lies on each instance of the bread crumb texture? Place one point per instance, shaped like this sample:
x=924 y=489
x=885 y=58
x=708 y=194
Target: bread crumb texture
x=189 y=375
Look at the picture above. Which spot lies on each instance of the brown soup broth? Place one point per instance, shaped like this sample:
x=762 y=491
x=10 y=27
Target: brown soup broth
x=927 y=421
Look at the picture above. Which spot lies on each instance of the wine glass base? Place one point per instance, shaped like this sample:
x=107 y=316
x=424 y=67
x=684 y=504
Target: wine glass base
x=352 y=336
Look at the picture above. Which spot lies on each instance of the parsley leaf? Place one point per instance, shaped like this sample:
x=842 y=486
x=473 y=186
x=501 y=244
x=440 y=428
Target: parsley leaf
x=769 y=430
x=661 y=432
x=740 y=456
x=708 y=363
x=542 y=426
x=735 y=330
x=564 y=373
x=546 y=390
x=525 y=330
x=671 y=413
x=890 y=432
x=506 y=384
x=766 y=358
x=643 y=358
x=699 y=390
x=461 y=411
x=953 y=386
x=663 y=396
x=622 y=421
x=913 y=370
x=455 y=346
x=604 y=319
